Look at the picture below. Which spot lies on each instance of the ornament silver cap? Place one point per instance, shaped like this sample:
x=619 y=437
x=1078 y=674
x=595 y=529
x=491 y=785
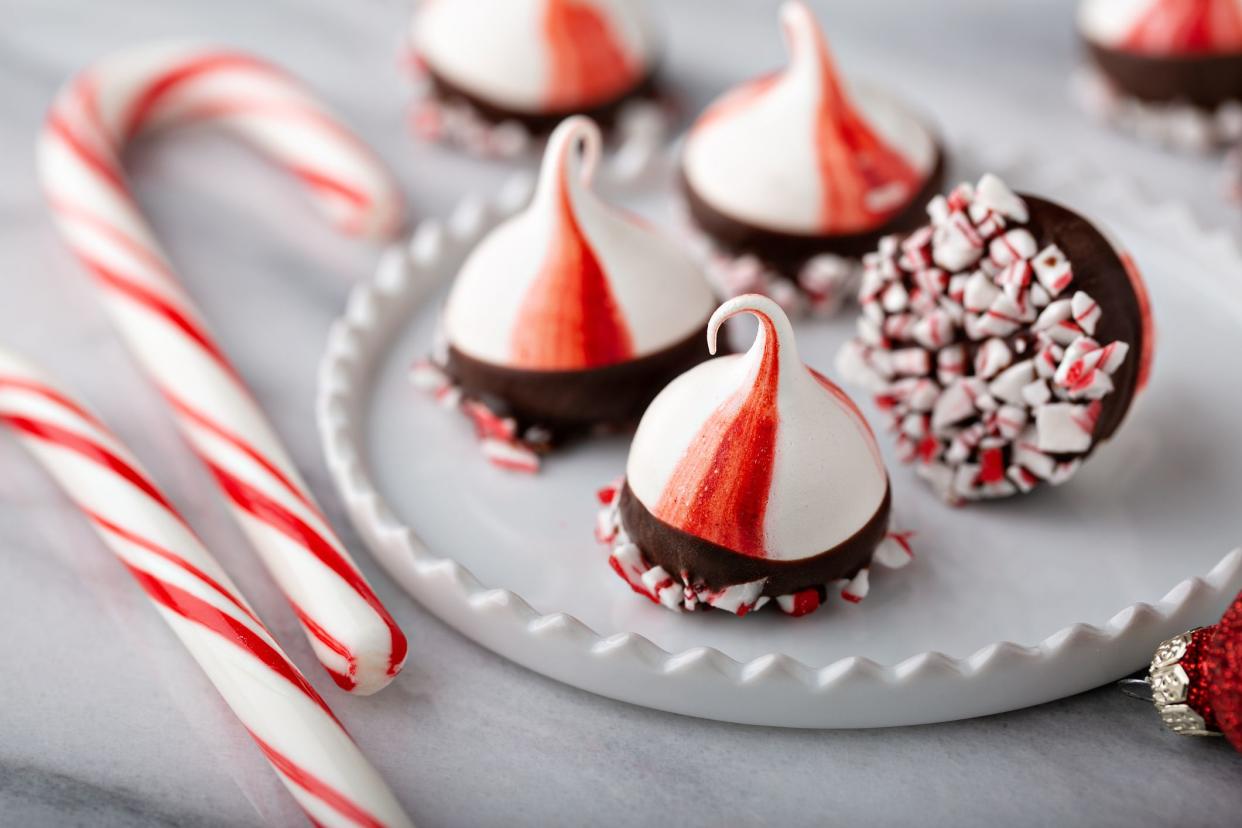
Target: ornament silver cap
x=1170 y=687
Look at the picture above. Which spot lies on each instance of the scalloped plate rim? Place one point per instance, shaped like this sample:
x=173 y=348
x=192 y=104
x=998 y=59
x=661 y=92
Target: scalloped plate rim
x=360 y=334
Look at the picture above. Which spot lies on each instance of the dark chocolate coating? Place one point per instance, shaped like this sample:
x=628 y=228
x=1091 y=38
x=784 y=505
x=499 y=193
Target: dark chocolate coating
x=570 y=402
x=718 y=567
x=1206 y=81
x=541 y=123
x=788 y=252
x=1099 y=271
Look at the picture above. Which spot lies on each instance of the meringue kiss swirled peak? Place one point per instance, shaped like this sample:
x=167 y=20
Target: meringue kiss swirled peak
x=573 y=313
x=751 y=477
x=795 y=163
x=537 y=61
x=1167 y=51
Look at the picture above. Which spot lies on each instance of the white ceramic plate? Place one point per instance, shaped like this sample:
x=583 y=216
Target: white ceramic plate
x=1008 y=604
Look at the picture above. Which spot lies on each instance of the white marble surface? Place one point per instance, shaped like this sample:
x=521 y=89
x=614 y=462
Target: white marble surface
x=103 y=720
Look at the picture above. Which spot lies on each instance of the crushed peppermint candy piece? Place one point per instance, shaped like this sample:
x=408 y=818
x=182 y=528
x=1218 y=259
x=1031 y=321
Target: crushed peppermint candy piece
x=980 y=340
x=995 y=195
x=1063 y=428
x=980 y=293
x=659 y=583
x=498 y=439
x=803 y=602
x=992 y=358
x=818 y=288
x=627 y=561
x=1086 y=312
x=1054 y=315
x=425 y=375
x=1013 y=246
x=857 y=587
x=1009 y=385
x=1052 y=270
x=509 y=455
x=1015 y=281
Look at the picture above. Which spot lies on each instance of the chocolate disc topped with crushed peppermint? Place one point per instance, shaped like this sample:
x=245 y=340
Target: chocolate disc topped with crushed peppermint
x=1005 y=340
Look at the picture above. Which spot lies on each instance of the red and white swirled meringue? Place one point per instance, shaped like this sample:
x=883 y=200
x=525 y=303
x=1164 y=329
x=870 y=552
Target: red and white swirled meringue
x=493 y=77
x=796 y=152
x=1163 y=27
x=760 y=457
x=572 y=282
x=564 y=292
x=736 y=450
x=537 y=56
x=1168 y=70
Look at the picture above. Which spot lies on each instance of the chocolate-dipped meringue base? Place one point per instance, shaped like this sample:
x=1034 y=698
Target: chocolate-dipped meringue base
x=1204 y=81
x=786 y=253
x=564 y=404
x=1100 y=271
x=715 y=567
x=540 y=124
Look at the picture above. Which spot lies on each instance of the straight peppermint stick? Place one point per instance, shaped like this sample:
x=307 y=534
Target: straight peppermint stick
x=307 y=747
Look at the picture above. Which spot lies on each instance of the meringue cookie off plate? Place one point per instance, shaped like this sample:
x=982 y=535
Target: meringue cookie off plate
x=1006 y=604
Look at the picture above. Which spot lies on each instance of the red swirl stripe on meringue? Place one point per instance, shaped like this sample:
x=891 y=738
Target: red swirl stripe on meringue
x=569 y=318
x=861 y=179
x=589 y=64
x=1178 y=27
x=88 y=127
x=311 y=752
x=720 y=488
x=854 y=162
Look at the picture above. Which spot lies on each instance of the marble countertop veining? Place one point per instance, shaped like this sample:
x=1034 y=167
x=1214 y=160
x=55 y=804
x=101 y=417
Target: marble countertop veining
x=103 y=718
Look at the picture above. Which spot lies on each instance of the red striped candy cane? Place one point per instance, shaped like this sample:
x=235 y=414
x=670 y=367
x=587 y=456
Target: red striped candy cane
x=308 y=748
x=91 y=121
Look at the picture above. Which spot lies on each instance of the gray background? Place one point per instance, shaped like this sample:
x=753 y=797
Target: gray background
x=103 y=719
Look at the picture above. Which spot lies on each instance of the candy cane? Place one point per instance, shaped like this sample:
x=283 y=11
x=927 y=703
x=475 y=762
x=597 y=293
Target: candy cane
x=91 y=121
x=308 y=748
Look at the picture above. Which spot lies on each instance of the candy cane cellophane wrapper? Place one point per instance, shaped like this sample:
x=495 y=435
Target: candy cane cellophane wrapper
x=93 y=118
x=311 y=753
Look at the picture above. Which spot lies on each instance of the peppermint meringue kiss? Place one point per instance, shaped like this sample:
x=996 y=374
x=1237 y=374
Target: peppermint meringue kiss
x=500 y=71
x=1176 y=65
x=791 y=177
x=751 y=478
x=570 y=315
x=1005 y=340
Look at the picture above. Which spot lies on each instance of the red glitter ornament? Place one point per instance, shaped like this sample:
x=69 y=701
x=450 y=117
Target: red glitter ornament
x=1194 y=663
x=1222 y=665
x=1196 y=679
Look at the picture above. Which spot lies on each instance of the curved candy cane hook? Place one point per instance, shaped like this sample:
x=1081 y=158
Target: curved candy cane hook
x=93 y=118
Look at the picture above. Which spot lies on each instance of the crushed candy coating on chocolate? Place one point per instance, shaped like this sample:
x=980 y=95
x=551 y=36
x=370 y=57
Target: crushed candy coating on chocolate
x=685 y=592
x=1000 y=359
